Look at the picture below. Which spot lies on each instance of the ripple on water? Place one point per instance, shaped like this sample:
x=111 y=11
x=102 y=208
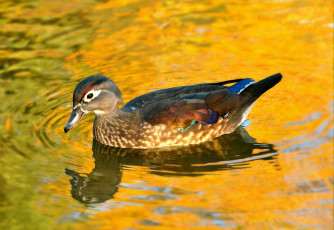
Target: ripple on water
x=312 y=133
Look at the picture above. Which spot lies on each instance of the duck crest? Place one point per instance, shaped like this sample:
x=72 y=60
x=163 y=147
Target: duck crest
x=169 y=117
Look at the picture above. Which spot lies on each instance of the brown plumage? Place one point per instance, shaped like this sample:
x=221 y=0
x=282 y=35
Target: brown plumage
x=175 y=116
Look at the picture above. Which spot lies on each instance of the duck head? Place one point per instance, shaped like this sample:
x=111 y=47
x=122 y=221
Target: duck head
x=96 y=94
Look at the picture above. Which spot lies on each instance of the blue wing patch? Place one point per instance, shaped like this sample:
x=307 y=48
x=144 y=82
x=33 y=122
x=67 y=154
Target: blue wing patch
x=213 y=118
x=241 y=85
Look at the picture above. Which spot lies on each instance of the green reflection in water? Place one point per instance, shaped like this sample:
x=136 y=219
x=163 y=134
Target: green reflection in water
x=35 y=37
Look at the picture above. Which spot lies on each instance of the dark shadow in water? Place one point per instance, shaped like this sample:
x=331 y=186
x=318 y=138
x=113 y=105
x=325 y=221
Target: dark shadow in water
x=227 y=152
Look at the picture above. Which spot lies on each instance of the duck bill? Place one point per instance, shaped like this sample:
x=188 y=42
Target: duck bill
x=76 y=116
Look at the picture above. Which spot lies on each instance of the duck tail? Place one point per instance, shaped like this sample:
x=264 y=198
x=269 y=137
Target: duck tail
x=250 y=94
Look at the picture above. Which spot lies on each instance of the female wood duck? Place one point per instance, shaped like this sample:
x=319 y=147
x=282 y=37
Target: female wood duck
x=168 y=117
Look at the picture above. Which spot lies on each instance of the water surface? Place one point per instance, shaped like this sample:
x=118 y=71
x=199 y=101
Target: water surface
x=277 y=172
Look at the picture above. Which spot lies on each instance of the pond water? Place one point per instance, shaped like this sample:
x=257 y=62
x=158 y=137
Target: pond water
x=277 y=172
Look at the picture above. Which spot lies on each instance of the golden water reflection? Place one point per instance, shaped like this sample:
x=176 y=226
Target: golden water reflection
x=157 y=45
x=55 y=181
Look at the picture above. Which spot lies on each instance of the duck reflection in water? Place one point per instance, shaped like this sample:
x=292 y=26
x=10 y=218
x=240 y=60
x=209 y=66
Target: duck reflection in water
x=102 y=183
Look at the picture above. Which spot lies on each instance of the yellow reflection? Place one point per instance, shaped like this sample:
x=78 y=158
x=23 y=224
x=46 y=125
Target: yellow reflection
x=159 y=44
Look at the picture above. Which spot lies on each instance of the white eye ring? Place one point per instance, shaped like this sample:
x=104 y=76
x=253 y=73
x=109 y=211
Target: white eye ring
x=95 y=94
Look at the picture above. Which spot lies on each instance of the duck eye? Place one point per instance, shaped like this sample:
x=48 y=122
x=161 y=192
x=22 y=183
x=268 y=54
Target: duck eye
x=89 y=96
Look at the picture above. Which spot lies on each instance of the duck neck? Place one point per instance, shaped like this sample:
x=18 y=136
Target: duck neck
x=114 y=129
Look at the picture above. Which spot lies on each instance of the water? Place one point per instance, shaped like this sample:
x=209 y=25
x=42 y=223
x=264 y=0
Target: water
x=277 y=172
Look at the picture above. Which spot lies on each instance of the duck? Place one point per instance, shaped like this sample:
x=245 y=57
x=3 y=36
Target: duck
x=178 y=116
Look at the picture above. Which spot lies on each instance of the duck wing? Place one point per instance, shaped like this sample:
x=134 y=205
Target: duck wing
x=173 y=93
x=179 y=107
x=203 y=108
